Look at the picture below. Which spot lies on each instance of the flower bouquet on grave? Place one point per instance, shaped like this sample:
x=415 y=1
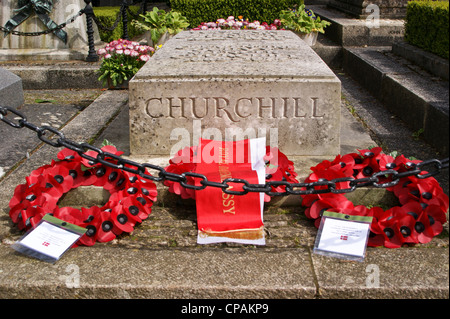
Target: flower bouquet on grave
x=231 y=23
x=161 y=25
x=303 y=22
x=121 y=59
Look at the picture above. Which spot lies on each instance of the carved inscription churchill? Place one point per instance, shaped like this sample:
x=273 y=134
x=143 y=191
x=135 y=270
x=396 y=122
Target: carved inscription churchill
x=235 y=110
x=270 y=82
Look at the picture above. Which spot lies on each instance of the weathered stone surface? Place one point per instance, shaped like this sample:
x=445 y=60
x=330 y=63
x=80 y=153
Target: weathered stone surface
x=11 y=91
x=348 y=31
x=229 y=85
x=388 y=9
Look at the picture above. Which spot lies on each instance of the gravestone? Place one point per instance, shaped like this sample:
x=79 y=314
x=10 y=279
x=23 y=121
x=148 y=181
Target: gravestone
x=61 y=12
x=231 y=85
x=11 y=90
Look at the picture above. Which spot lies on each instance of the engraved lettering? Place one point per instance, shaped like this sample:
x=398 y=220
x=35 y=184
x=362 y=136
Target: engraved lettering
x=172 y=106
x=238 y=104
x=297 y=108
x=234 y=110
x=194 y=108
x=223 y=107
x=270 y=106
x=314 y=109
x=153 y=106
x=285 y=107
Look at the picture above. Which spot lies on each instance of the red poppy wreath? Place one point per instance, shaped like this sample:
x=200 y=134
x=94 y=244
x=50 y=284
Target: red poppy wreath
x=423 y=204
x=130 y=201
x=278 y=168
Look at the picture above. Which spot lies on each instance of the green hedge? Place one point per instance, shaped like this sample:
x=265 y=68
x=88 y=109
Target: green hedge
x=198 y=11
x=427 y=26
x=107 y=16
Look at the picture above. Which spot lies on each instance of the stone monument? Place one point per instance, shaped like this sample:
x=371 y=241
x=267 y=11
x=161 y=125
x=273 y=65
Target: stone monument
x=31 y=17
x=232 y=85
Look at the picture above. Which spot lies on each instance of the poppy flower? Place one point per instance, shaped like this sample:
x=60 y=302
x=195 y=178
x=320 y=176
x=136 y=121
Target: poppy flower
x=183 y=161
x=429 y=224
x=107 y=148
x=71 y=215
x=99 y=226
x=59 y=177
x=335 y=203
x=431 y=193
x=278 y=168
x=393 y=238
x=121 y=221
x=68 y=155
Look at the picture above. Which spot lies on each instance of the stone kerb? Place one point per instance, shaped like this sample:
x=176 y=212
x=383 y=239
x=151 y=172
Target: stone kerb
x=231 y=85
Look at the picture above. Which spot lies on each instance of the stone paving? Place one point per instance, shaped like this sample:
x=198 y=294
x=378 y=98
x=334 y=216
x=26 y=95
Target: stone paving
x=166 y=262
x=161 y=259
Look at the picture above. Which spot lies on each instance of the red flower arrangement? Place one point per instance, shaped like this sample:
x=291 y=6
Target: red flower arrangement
x=130 y=201
x=278 y=168
x=423 y=204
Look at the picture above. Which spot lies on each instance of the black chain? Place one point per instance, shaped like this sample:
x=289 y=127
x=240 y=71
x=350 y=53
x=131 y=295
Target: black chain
x=382 y=179
x=61 y=26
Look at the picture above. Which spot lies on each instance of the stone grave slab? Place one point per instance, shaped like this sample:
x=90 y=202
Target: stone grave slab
x=231 y=85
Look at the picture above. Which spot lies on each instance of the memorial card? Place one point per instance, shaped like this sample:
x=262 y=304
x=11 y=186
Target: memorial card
x=50 y=239
x=343 y=236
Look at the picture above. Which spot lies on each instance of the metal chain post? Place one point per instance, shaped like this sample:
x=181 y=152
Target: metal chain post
x=89 y=11
x=124 y=20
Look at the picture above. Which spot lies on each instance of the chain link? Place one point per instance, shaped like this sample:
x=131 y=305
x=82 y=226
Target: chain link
x=382 y=179
x=60 y=26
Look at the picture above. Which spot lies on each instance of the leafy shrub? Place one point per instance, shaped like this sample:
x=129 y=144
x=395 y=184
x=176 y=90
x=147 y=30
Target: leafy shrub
x=198 y=11
x=107 y=16
x=427 y=26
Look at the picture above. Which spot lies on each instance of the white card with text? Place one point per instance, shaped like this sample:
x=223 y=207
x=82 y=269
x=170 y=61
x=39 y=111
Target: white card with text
x=49 y=239
x=343 y=236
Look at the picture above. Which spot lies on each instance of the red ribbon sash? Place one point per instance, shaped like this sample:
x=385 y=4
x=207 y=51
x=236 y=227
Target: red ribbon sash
x=226 y=215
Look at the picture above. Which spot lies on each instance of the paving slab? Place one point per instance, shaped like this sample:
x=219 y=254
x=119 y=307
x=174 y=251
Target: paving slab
x=387 y=274
x=115 y=272
x=44 y=108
